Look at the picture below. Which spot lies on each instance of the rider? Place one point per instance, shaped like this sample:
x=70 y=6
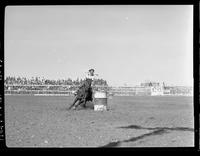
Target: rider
x=90 y=75
x=88 y=83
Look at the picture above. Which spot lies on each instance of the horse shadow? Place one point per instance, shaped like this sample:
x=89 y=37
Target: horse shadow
x=156 y=131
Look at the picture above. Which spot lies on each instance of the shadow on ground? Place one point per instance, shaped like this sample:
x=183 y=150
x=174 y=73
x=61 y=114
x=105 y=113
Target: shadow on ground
x=157 y=131
x=155 y=128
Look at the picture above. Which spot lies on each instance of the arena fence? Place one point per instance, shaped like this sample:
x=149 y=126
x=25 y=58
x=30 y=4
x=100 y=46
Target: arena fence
x=68 y=90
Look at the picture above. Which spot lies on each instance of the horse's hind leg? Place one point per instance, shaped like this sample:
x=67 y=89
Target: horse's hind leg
x=84 y=103
x=85 y=100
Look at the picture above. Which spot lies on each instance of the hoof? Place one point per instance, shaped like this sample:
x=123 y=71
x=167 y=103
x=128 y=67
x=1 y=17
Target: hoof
x=69 y=108
x=73 y=108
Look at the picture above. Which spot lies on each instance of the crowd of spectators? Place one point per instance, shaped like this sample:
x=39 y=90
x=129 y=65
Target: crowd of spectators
x=9 y=80
x=39 y=84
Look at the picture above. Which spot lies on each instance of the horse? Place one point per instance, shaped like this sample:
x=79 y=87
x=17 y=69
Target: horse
x=83 y=94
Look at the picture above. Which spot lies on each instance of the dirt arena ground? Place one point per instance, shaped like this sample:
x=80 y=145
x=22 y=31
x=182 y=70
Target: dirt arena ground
x=40 y=121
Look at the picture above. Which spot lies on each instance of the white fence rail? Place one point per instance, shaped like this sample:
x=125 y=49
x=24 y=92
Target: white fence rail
x=10 y=89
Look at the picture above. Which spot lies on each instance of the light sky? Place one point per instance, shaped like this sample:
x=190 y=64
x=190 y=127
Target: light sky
x=124 y=44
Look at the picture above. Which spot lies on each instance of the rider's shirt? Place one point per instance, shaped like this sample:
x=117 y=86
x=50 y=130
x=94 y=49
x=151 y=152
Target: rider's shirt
x=94 y=77
x=88 y=76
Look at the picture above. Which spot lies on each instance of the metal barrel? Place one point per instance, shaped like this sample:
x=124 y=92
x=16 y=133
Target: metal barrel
x=100 y=100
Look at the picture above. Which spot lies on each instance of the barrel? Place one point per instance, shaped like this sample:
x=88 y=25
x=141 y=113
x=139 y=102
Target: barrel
x=100 y=101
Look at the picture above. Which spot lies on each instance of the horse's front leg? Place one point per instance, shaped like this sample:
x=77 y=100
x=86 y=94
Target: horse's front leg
x=75 y=100
x=80 y=102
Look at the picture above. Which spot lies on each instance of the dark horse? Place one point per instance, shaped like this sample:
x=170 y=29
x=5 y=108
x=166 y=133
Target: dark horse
x=83 y=94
